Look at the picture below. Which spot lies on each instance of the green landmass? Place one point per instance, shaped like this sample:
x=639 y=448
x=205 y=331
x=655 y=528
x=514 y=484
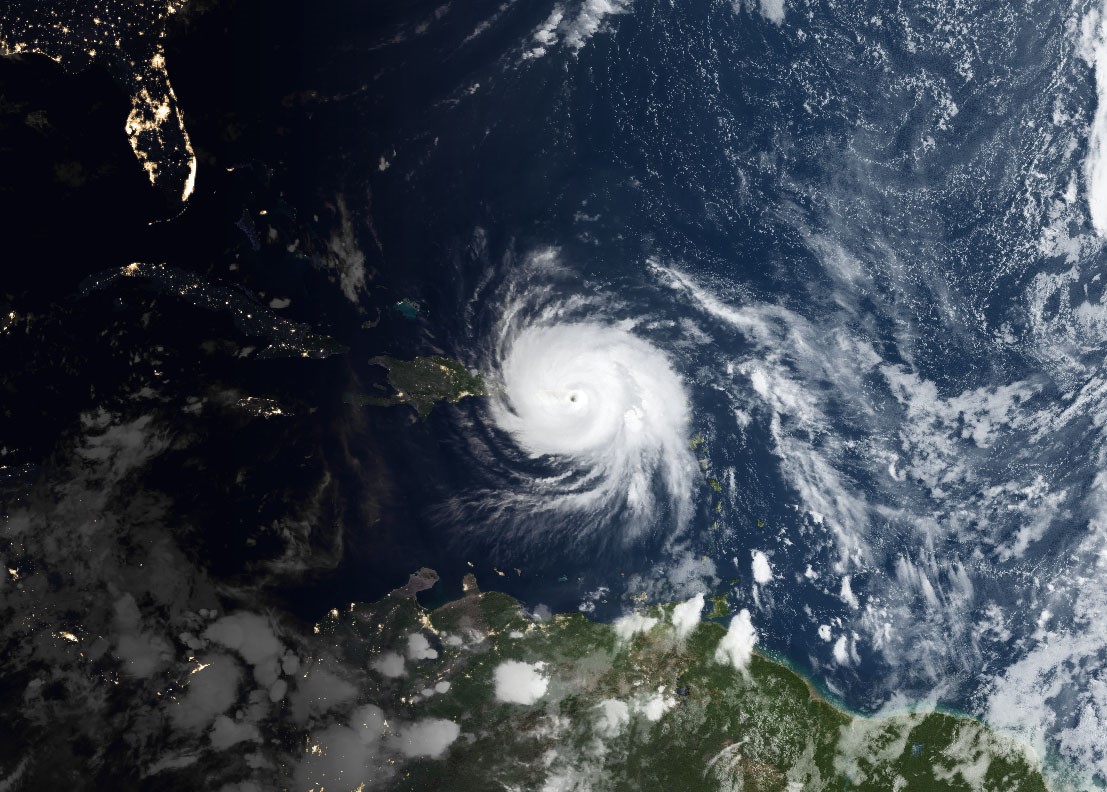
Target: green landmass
x=423 y=382
x=720 y=608
x=689 y=721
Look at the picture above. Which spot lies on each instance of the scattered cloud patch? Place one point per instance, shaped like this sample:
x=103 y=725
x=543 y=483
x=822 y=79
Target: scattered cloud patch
x=736 y=647
x=656 y=705
x=212 y=689
x=519 y=683
x=761 y=568
x=773 y=10
x=614 y=715
x=142 y=653
x=345 y=756
x=1095 y=163
x=428 y=738
x=251 y=636
x=589 y=18
x=226 y=732
x=841 y=651
x=633 y=623
x=846 y=594
x=574 y=27
x=419 y=648
x=389 y=664
x=344 y=254
x=319 y=691
x=686 y=615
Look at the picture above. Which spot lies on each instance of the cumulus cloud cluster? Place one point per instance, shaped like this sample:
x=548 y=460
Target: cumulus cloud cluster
x=686 y=615
x=574 y=26
x=212 y=689
x=517 y=682
x=419 y=648
x=613 y=716
x=632 y=624
x=736 y=647
x=389 y=664
x=761 y=568
x=143 y=653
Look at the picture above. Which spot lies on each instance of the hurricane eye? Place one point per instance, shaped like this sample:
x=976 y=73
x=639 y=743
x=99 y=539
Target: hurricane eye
x=609 y=414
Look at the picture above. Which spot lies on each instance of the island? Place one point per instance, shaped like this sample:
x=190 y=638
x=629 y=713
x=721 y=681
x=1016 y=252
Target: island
x=423 y=382
x=274 y=336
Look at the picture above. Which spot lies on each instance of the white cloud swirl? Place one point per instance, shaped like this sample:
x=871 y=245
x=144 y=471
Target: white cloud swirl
x=604 y=403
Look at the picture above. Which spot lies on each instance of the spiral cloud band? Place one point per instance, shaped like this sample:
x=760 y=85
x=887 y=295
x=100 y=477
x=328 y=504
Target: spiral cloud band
x=606 y=409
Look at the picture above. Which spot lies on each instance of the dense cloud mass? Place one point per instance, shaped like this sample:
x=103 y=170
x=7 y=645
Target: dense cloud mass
x=736 y=647
x=520 y=683
x=602 y=405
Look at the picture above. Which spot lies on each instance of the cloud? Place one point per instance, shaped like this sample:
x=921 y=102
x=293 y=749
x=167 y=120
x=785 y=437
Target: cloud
x=318 y=691
x=762 y=570
x=337 y=758
x=683 y=573
x=226 y=732
x=653 y=707
x=252 y=638
x=389 y=664
x=846 y=594
x=519 y=683
x=143 y=654
x=278 y=690
x=589 y=19
x=343 y=756
x=244 y=786
x=686 y=616
x=773 y=10
x=1095 y=163
x=633 y=623
x=845 y=649
x=614 y=716
x=736 y=647
x=841 y=651
x=419 y=648
x=212 y=690
x=429 y=738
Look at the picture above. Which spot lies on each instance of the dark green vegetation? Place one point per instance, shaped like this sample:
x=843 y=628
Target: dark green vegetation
x=688 y=722
x=720 y=608
x=423 y=381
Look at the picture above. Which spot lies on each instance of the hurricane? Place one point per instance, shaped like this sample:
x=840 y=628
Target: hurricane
x=603 y=402
x=587 y=426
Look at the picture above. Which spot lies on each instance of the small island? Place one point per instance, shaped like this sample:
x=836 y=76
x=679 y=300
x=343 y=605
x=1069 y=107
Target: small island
x=423 y=382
